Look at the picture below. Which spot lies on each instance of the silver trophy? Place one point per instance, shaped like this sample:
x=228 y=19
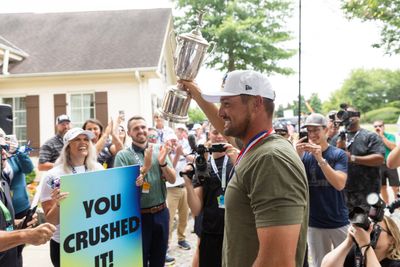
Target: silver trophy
x=188 y=57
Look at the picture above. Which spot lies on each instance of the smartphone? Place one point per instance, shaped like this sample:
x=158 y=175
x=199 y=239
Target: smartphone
x=28 y=217
x=122 y=115
x=303 y=134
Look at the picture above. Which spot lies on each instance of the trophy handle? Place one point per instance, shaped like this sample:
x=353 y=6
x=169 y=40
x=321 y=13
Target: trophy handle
x=212 y=45
x=172 y=45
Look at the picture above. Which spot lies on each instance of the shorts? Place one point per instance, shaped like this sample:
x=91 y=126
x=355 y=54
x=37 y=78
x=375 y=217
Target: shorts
x=390 y=174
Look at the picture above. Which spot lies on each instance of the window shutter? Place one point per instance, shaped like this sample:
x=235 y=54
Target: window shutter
x=60 y=105
x=33 y=122
x=101 y=107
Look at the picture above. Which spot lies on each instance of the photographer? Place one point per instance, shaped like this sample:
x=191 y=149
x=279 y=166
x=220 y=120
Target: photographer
x=10 y=235
x=386 y=253
x=208 y=196
x=333 y=128
x=365 y=152
x=389 y=141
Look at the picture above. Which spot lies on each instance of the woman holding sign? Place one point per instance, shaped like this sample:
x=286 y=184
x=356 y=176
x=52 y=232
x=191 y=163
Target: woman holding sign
x=77 y=156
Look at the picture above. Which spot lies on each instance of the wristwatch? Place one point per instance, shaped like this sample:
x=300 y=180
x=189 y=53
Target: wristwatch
x=323 y=162
x=353 y=158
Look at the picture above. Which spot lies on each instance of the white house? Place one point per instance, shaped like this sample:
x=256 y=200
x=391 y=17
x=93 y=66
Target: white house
x=85 y=64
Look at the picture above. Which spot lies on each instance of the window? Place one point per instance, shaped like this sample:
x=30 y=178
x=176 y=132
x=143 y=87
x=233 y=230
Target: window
x=82 y=108
x=19 y=117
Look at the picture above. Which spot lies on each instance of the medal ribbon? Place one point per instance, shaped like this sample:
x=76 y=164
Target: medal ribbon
x=254 y=141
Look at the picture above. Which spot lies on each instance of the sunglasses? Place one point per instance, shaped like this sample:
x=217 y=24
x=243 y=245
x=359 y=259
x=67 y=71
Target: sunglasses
x=281 y=132
x=376 y=126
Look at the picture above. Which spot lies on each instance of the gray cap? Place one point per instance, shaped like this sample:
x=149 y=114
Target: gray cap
x=62 y=118
x=315 y=119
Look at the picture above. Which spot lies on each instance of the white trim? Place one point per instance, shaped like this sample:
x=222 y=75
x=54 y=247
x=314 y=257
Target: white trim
x=13 y=50
x=79 y=73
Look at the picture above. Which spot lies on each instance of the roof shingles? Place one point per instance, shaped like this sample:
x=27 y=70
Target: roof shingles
x=84 y=41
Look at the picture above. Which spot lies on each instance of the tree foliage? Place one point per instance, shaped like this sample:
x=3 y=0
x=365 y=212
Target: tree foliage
x=386 y=12
x=367 y=90
x=196 y=115
x=386 y=114
x=247 y=32
x=314 y=102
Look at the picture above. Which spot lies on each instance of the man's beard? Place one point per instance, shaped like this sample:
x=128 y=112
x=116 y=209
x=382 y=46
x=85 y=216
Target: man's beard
x=239 y=131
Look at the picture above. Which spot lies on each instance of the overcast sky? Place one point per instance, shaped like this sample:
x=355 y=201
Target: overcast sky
x=331 y=45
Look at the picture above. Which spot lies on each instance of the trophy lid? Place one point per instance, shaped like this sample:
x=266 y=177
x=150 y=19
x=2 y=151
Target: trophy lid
x=195 y=35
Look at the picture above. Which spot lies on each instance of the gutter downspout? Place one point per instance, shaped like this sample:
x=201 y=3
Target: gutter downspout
x=6 y=60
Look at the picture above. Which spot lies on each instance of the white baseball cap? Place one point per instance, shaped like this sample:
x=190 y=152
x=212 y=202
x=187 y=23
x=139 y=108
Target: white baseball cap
x=181 y=126
x=242 y=82
x=196 y=126
x=74 y=132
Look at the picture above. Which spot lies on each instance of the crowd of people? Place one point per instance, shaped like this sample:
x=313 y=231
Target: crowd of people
x=262 y=196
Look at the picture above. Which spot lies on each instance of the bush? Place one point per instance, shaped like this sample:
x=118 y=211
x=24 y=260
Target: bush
x=30 y=177
x=386 y=114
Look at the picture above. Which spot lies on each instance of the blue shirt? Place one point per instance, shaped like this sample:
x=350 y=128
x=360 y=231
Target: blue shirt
x=327 y=205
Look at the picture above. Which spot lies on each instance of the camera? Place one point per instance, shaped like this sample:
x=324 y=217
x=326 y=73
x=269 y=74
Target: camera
x=201 y=168
x=362 y=218
x=344 y=115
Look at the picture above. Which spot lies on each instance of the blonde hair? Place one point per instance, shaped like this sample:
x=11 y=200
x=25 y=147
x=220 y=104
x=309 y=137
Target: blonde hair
x=65 y=158
x=394 y=249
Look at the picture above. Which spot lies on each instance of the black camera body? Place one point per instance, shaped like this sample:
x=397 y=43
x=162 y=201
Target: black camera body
x=344 y=115
x=362 y=218
x=201 y=168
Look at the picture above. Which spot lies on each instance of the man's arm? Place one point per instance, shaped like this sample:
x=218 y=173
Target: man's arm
x=372 y=160
x=277 y=246
x=45 y=166
x=393 y=160
x=36 y=236
x=389 y=144
x=210 y=109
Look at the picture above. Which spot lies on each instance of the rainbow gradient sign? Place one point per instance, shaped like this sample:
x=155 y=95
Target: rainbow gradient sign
x=100 y=219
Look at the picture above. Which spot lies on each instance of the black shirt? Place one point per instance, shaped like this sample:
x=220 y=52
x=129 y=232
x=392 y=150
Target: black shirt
x=349 y=262
x=213 y=216
x=11 y=257
x=361 y=179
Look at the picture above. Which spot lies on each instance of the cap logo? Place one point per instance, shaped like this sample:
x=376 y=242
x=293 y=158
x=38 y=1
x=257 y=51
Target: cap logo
x=224 y=80
x=248 y=87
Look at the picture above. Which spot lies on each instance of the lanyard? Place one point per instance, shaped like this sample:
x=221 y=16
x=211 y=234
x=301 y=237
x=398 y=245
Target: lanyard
x=135 y=155
x=255 y=140
x=350 y=142
x=6 y=212
x=215 y=169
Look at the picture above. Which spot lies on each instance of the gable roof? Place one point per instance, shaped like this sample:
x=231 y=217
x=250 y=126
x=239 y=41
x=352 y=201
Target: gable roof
x=86 y=41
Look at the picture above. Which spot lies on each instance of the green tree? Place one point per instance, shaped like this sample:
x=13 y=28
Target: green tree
x=367 y=90
x=196 y=115
x=386 y=12
x=279 y=111
x=249 y=34
x=315 y=103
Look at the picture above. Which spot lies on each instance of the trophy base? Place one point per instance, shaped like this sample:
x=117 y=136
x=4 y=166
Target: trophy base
x=175 y=105
x=173 y=117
